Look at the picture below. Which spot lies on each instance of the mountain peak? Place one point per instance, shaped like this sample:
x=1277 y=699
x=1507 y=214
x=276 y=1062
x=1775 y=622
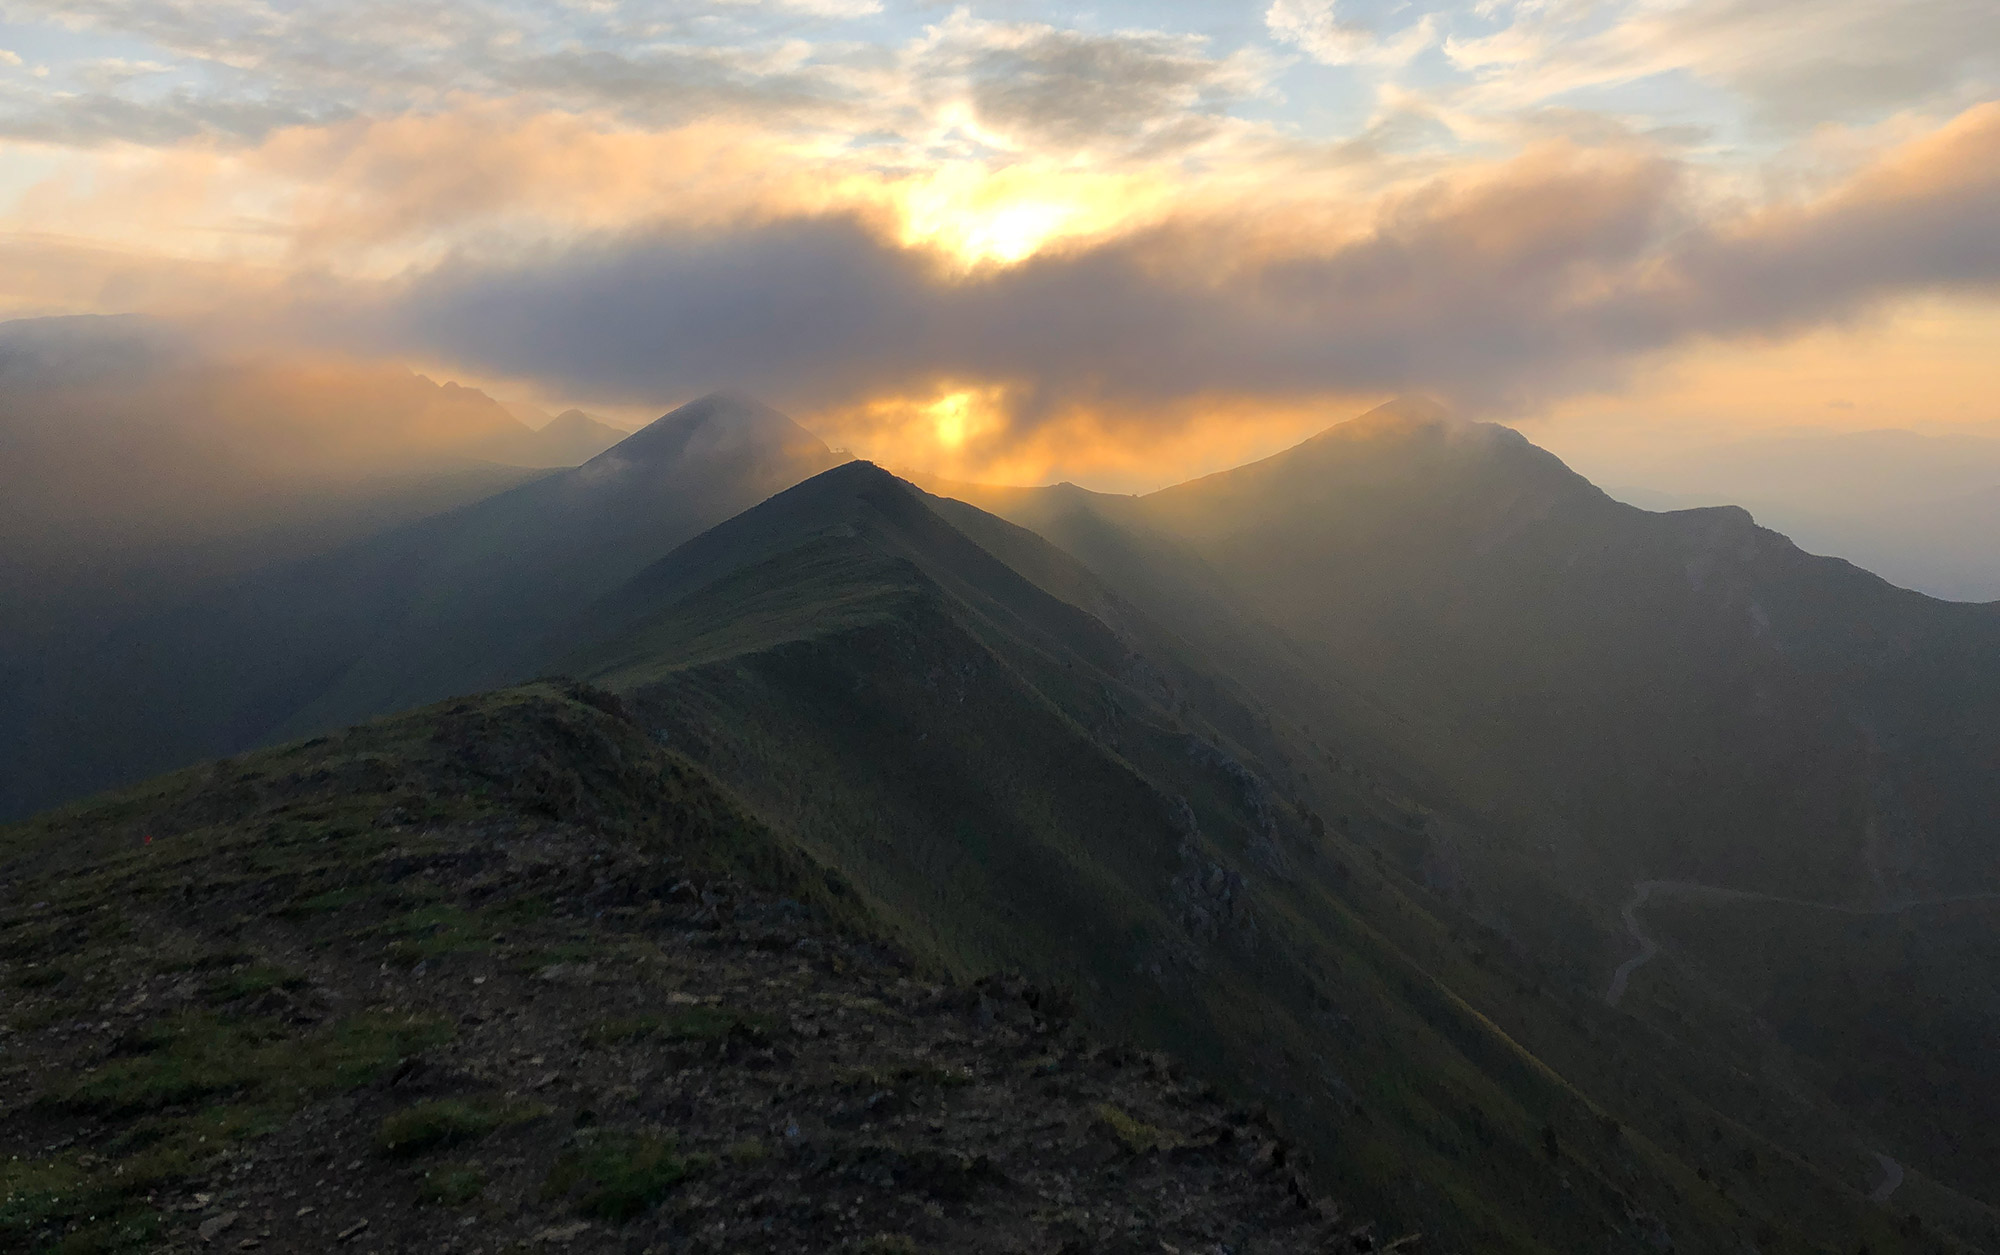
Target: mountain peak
x=721 y=424
x=1401 y=416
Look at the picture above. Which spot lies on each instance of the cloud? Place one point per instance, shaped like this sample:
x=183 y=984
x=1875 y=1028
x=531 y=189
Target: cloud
x=1317 y=28
x=1031 y=86
x=634 y=200
x=833 y=8
x=1018 y=86
x=1796 y=62
x=97 y=118
x=9 y=57
x=1920 y=218
x=1491 y=287
x=1805 y=61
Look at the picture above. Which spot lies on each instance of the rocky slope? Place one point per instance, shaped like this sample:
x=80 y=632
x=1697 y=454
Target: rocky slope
x=504 y=975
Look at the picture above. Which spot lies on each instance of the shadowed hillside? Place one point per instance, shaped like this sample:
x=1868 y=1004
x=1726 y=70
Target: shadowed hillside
x=1328 y=776
x=1683 y=695
x=450 y=604
x=504 y=971
x=1686 y=694
x=1008 y=779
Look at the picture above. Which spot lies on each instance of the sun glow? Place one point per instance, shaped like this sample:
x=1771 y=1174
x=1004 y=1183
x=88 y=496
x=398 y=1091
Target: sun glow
x=976 y=434
x=982 y=216
x=951 y=430
x=953 y=417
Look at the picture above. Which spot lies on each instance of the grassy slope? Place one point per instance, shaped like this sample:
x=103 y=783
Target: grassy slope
x=1686 y=695
x=1891 y=1012
x=505 y=963
x=1625 y=695
x=1014 y=767
x=272 y=859
x=999 y=776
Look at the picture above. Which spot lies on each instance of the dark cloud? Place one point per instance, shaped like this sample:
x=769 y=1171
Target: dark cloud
x=672 y=86
x=242 y=69
x=1073 y=90
x=250 y=68
x=1486 y=292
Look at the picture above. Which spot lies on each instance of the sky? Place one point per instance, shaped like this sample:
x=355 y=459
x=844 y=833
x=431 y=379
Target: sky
x=1118 y=244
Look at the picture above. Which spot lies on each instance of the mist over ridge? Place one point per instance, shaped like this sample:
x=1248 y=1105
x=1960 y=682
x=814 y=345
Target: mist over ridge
x=1277 y=627
x=1334 y=773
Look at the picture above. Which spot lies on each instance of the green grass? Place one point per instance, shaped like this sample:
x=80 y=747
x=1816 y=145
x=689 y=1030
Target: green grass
x=101 y=1202
x=200 y=1055
x=451 y=1185
x=1135 y=1135
x=617 y=1175
x=443 y=1122
x=1010 y=839
x=432 y=931
x=296 y=835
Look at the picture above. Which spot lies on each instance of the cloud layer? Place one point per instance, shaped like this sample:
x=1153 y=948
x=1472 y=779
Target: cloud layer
x=1489 y=287
x=1008 y=227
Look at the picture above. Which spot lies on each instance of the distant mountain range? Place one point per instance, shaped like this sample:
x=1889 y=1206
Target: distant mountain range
x=1336 y=774
x=140 y=464
x=568 y=438
x=1671 y=674
x=456 y=602
x=1920 y=510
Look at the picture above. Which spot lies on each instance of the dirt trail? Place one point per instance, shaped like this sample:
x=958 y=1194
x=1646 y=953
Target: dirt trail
x=1648 y=947
x=1892 y=1172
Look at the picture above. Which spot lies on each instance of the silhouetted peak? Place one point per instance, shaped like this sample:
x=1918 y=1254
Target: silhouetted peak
x=848 y=482
x=859 y=473
x=719 y=424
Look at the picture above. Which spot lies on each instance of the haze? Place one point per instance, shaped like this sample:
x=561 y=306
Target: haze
x=1020 y=244
x=1293 y=627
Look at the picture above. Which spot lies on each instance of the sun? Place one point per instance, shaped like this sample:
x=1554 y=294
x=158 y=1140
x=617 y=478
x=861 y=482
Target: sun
x=951 y=418
x=979 y=216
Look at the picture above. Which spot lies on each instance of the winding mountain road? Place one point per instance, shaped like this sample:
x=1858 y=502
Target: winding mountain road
x=1892 y=1172
x=1648 y=947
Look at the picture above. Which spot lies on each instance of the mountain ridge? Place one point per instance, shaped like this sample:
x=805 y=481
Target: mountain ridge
x=456 y=602
x=1328 y=777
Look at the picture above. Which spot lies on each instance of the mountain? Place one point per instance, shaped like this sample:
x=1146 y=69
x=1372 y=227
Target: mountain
x=538 y=439
x=506 y=968
x=1681 y=695
x=573 y=437
x=1919 y=510
x=1010 y=780
x=1474 y=823
x=453 y=603
x=138 y=465
x=1607 y=699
